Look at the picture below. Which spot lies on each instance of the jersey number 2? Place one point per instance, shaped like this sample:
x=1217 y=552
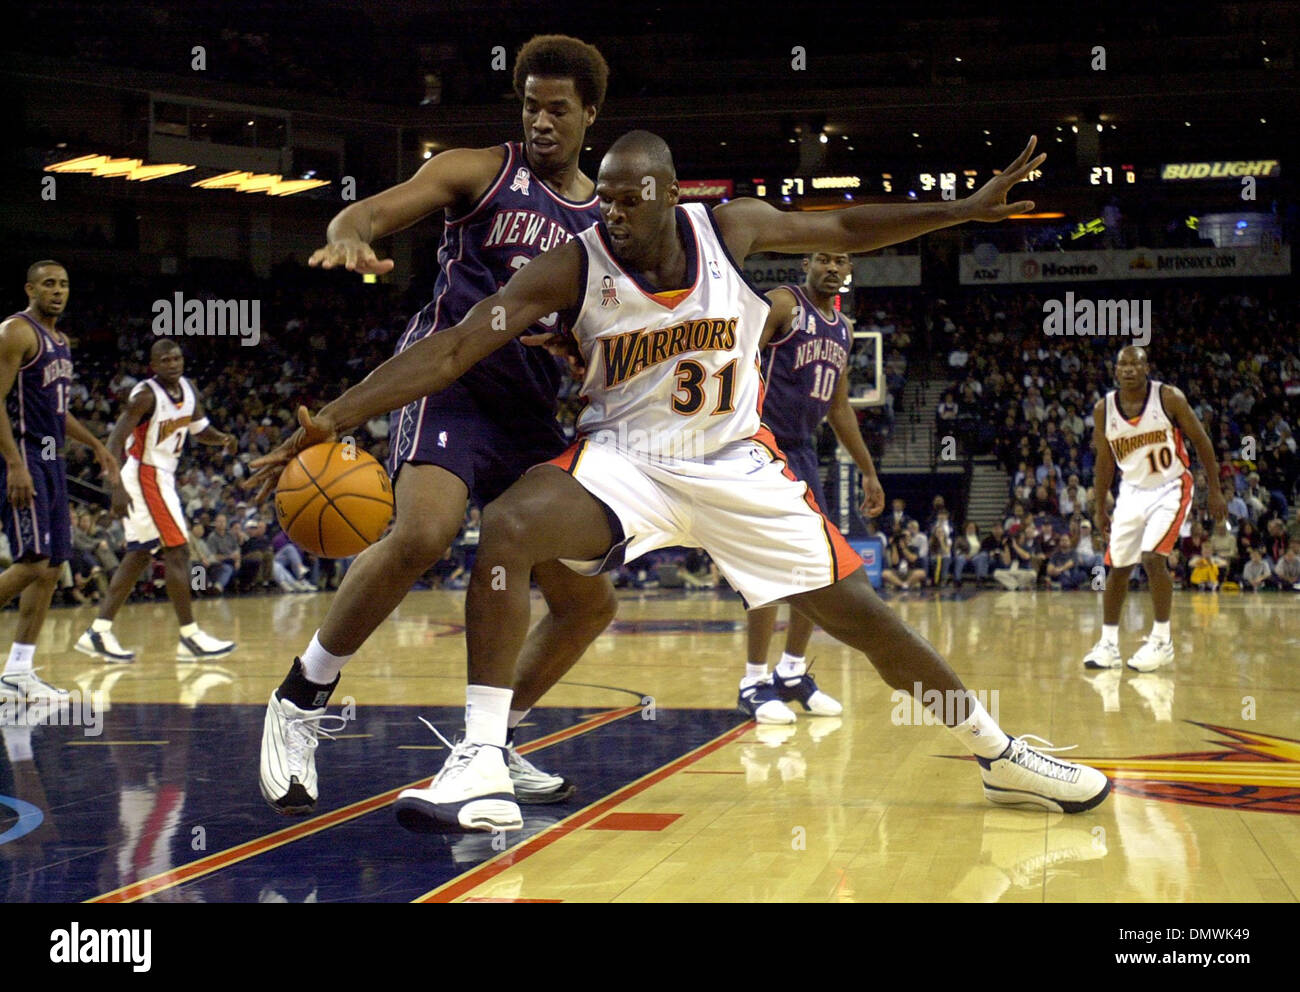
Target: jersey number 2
x=690 y=381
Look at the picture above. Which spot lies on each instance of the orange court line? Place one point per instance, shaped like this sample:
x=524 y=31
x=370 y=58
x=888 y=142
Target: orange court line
x=249 y=849
x=457 y=887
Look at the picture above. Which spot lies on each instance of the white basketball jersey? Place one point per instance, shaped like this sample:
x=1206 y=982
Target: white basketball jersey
x=1148 y=449
x=160 y=440
x=670 y=374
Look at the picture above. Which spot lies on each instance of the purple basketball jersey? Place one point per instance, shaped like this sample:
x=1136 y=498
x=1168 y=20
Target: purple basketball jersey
x=38 y=401
x=802 y=370
x=516 y=220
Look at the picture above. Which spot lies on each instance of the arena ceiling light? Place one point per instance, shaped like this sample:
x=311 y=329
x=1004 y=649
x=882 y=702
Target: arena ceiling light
x=117 y=168
x=259 y=182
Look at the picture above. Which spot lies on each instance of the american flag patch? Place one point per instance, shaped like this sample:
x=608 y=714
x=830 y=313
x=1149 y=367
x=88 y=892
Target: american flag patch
x=608 y=294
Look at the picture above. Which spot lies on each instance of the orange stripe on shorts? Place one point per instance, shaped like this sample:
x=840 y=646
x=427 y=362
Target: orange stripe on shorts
x=162 y=518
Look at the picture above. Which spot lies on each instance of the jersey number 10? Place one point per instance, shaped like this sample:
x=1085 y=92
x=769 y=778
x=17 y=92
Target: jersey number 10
x=1166 y=458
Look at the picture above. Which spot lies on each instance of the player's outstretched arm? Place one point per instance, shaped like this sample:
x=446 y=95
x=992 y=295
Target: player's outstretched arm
x=17 y=339
x=547 y=284
x=750 y=226
x=458 y=176
x=209 y=435
x=1180 y=410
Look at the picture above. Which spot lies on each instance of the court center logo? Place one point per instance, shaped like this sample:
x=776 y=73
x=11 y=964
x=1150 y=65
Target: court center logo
x=1249 y=771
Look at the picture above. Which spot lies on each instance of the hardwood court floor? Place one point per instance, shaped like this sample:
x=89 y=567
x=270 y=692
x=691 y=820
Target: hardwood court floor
x=679 y=797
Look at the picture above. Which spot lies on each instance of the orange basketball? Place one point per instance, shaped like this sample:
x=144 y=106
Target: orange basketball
x=334 y=500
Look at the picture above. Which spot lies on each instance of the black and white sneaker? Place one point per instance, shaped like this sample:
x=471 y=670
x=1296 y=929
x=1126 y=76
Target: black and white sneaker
x=1025 y=776
x=288 y=763
x=103 y=645
x=202 y=646
x=472 y=791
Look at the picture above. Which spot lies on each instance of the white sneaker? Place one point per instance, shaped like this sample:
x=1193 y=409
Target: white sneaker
x=289 y=742
x=1103 y=655
x=472 y=791
x=104 y=645
x=1152 y=654
x=26 y=686
x=303 y=585
x=534 y=786
x=202 y=646
x=1023 y=776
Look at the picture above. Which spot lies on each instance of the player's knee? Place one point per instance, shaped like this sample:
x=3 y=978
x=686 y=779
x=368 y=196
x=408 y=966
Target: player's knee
x=1152 y=562
x=505 y=528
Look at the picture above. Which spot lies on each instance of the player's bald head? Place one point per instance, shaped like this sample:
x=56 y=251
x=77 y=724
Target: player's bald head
x=643 y=152
x=162 y=347
x=1132 y=353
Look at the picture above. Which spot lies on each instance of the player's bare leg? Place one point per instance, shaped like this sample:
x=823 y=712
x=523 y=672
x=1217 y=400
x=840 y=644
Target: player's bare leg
x=580 y=607
x=758 y=696
x=544 y=516
x=18 y=680
x=1013 y=772
x=17 y=577
x=1157 y=648
x=177 y=563
x=1105 y=653
x=124 y=579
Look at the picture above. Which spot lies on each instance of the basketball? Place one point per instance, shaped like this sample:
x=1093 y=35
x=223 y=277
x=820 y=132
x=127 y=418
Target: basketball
x=334 y=500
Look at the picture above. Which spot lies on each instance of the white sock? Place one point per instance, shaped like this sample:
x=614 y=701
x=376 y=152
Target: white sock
x=487 y=710
x=20 y=659
x=101 y=626
x=1160 y=629
x=1110 y=634
x=189 y=630
x=753 y=673
x=318 y=665
x=790 y=666
x=979 y=733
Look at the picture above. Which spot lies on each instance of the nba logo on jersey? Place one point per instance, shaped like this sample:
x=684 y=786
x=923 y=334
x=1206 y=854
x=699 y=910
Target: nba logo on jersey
x=608 y=294
x=713 y=269
x=521 y=182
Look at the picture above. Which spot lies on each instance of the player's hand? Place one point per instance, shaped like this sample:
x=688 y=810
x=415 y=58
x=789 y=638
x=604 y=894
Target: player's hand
x=312 y=430
x=562 y=346
x=351 y=254
x=230 y=445
x=108 y=466
x=21 y=487
x=1218 y=506
x=121 y=505
x=1102 y=519
x=873 y=497
x=989 y=202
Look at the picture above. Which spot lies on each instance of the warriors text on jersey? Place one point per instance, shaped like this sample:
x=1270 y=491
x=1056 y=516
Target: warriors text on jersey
x=38 y=402
x=675 y=373
x=517 y=219
x=801 y=370
x=1148 y=448
x=159 y=441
